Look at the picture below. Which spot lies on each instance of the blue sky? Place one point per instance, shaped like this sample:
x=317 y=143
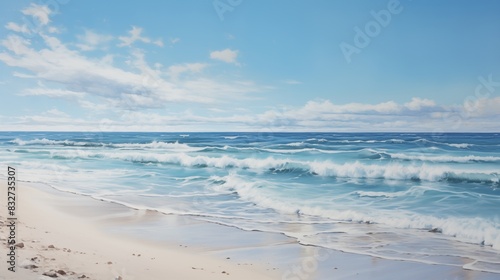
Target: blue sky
x=240 y=65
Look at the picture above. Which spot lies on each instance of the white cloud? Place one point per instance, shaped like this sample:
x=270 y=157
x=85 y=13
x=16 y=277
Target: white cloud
x=58 y=64
x=482 y=107
x=16 y=44
x=135 y=35
x=350 y=108
x=175 y=70
x=417 y=103
x=97 y=83
x=90 y=40
x=345 y=118
x=23 y=75
x=40 y=12
x=227 y=55
x=158 y=42
x=17 y=28
x=174 y=41
x=53 y=30
x=135 y=86
x=385 y=116
x=53 y=93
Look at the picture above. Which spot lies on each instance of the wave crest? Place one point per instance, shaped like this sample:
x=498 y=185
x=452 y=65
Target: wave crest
x=358 y=170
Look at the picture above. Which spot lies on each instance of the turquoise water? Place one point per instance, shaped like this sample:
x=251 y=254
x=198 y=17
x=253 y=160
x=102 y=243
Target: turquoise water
x=431 y=198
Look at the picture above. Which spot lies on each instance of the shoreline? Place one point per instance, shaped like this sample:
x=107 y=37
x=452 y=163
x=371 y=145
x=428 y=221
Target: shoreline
x=82 y=235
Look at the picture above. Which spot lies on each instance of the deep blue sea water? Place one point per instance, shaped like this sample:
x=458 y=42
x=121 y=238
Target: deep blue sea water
x=432 y=198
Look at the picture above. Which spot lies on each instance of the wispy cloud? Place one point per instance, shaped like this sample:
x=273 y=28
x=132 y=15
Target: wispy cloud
x=39 y=12
x=226 y=55
x=174 y=41
x=17 y=28
x=483 y=107
x=135 y=84
x=91 y=40
x=56 y=63
x=312 y=116
x=327 y=107
x=417 y=103
x=53 y=93
x=53 y=30
x=175 y=70
x=325 y=115
x=135 y=35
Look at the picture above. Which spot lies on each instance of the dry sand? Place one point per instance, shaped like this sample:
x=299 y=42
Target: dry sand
x=60 y=234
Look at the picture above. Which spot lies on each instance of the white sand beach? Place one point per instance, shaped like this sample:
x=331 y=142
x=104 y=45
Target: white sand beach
x=60 y=234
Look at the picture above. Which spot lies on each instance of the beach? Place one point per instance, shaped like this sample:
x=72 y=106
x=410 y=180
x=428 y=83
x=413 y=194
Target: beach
x=64 y=234
x=77 y=237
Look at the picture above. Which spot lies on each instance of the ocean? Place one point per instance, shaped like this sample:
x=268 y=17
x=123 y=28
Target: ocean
x=431 y=198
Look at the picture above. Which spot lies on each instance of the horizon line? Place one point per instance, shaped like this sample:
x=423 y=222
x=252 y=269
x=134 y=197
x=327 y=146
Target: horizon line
x=267 y=132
